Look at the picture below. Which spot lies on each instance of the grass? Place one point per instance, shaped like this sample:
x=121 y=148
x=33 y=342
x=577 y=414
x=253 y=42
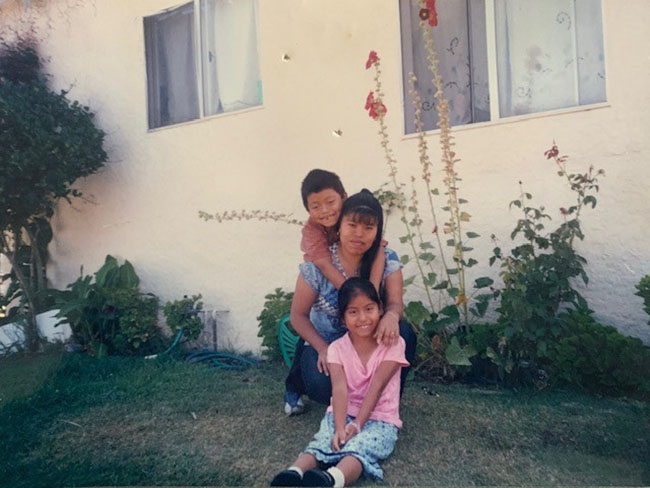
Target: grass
x=77 y=421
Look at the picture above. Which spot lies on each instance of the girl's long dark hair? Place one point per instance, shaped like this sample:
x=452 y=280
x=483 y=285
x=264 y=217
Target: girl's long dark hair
x=353 y=287
x=365 y=208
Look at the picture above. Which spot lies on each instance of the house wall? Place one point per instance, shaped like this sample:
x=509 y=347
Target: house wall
x=143 y=206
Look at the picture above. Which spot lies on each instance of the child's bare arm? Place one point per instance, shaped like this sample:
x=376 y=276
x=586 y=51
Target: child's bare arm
x=329 y=270
x=377 y=269
x=380 y=379
x=339 y=404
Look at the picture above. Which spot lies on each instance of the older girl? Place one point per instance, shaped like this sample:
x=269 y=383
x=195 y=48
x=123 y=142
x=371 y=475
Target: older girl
x=314 y=311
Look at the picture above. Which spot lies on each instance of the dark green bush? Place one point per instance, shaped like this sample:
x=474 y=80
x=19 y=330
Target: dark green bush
x=643 y=291
x=110 y=315
x=183 y=314
x=277 y=304
x=600 y=359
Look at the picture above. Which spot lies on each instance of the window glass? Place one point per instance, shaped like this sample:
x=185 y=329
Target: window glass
x=459 y=39
x=231 y=77
x=171 y=70
x=545 y=55
x=549 y=55
x=224 y=71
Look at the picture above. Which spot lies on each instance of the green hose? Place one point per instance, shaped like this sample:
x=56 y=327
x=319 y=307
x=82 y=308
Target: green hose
x=222 y=360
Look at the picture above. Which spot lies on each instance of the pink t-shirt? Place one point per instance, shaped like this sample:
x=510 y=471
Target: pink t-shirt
x=358 y=377
x=316 y=241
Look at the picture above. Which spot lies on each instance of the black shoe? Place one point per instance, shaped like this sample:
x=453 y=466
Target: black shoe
x=288 y=477
x=317 y=477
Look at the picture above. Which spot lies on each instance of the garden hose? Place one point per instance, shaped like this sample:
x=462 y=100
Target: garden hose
x=222 y=360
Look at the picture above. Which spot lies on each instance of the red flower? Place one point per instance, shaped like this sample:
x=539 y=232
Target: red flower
x=372 y=59
x=377 y=109
x=564 y=211
x=370 y=99
x=433 y=14
x=552 y=153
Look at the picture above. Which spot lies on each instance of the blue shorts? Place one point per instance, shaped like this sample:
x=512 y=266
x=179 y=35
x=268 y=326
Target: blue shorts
x=374 y=443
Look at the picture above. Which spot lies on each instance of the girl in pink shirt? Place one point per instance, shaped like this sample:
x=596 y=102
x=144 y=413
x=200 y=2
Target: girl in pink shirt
x=360 y=426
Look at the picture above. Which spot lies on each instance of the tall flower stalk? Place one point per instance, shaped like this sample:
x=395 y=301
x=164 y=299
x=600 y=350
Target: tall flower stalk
x=453 y=226
x=377 y=110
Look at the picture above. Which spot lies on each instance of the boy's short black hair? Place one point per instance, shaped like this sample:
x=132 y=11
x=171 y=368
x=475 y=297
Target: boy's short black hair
x=318 y=180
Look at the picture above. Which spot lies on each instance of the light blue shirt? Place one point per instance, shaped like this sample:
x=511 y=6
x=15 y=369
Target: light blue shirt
x=324 y=313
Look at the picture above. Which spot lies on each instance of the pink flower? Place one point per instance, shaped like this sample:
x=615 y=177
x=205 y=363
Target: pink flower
x=552 y=153
x=435 y=229
x=564 y=211
x=377 y=109
x=372 y=59
x=370 y=99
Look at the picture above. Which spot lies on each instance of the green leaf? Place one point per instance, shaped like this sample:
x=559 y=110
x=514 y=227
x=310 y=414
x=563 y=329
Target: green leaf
x=455 y=355
x=462 y=200
x=426 y=245
x=451 y=242
x=452 y=271
x=589 y=199
x=472 y=235
x=435 y=192
x=464 y=217
x=405 y=258
x=483 y=282
x=441 y=286
x=427 y=257
x=450 y=311
x=430 y=279
x=453 y=292
x=408 y=281
x=416 y=313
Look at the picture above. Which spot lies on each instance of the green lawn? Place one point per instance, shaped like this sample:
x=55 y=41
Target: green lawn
x=77 y=421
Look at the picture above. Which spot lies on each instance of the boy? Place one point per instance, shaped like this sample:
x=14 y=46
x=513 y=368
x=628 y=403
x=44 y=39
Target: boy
x=323 y=195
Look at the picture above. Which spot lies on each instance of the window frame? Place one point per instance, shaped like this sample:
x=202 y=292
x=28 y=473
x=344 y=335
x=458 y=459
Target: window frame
x=493 y=87
x=198 y=62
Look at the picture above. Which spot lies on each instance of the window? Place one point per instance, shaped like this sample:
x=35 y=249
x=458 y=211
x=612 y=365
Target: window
x=190 y=76
x=502 y=58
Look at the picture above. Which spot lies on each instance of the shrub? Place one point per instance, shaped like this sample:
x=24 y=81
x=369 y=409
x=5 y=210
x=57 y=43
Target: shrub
x=183 y=314
x=110 y=316
x=539 y=273
x=643 y=291
x=47 y=142
x=276 y=305
x=599 y=358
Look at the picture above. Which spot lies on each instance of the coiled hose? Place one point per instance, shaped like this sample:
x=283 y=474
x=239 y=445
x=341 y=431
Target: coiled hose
x=222 y=360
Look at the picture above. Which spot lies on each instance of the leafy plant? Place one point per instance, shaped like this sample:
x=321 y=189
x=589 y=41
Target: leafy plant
x=600 y=359
x=183 y=314
x=538 y=274
x=277 y=304
x=46 y=144
x=643 y=291
x=110 y=315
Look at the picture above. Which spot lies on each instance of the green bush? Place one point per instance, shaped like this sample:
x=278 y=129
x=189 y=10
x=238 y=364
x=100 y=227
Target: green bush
x=600 y=359
x=183 y=314
x=277 y=304
x=110 y=316
x=643 y=291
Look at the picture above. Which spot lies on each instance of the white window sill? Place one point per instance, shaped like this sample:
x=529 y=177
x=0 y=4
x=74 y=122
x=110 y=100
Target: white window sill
x=514 y=119
x=206 y=119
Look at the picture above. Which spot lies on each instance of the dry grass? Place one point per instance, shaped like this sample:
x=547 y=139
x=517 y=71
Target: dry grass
x=129 y=422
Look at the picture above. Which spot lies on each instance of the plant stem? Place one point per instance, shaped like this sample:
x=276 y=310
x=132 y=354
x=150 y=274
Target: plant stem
x=392 y=164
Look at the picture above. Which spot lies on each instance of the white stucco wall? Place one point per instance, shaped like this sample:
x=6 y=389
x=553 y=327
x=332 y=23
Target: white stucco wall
x=147 y=198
